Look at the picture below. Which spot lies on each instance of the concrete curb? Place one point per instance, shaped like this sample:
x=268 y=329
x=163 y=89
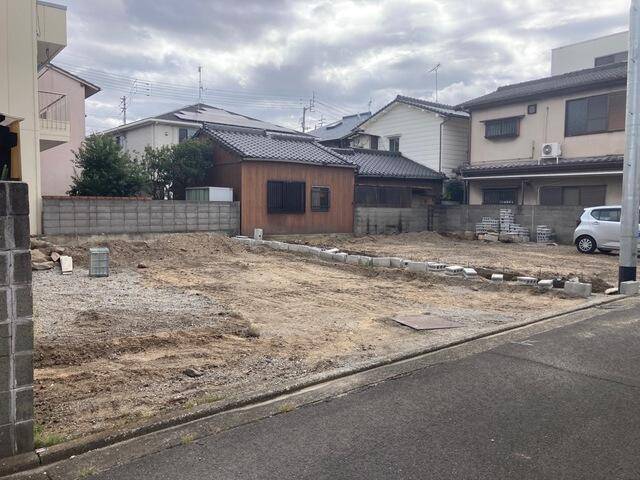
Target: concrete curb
x=58 y=453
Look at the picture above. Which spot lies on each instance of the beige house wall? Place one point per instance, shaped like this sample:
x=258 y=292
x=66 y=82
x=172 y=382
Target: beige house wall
x=547 y=125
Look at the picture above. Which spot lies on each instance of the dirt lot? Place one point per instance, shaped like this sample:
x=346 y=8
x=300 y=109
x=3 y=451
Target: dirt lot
x=110 y=351
x=541 y=261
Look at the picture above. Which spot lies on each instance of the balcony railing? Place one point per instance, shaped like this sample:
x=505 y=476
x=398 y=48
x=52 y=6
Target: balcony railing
x=54 y=111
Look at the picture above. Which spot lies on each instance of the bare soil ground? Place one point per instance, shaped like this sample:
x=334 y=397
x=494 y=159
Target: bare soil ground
x=110 y=351
x=513 y=259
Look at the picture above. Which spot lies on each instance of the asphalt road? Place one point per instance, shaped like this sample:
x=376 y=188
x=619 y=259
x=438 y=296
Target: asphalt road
x=564 y=404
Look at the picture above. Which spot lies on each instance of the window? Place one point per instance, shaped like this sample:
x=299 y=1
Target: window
x=285 y=197
x=320 y=199
x=607 y=214
x=500 y=196
x=502 y=128
x=609 y=59
x=587 y=196
x=377 y=196
x=394 y=144
x=597 y=114
x=532 y=109
x=120 y=140
x=185 y=134
x=373 y=142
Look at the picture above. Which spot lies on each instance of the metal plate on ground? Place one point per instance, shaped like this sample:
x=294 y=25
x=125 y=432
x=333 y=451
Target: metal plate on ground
x=425 y=322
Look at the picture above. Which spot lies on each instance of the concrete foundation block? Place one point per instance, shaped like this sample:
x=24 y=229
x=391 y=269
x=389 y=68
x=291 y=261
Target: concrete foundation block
x=381 y=262
x=353 y=259
x=258 y=234
x=577 y=289
x=469 y=273
x=544 y=285
x=417 y=267
x=324 y=255
x=629 y=288
x=527 y=280
x=454 y=270
x=435 y=266
x=497 y=277
x=396 y=262
x=339 y=257
x=365 y=261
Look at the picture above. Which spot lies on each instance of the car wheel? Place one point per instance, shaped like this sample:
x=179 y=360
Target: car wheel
x=586 y=244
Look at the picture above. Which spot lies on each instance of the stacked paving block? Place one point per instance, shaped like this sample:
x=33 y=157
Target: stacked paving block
x=544 y=234
x=16 y=324
x=488 y=224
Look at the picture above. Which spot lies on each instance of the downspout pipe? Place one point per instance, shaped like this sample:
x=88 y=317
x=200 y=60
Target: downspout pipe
x=446 y=119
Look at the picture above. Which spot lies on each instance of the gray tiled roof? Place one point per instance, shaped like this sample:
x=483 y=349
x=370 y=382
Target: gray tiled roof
x=256 y=144
x=206 y=113
x=381 y=163
x=441 y=108
x=341 y=128
x=605 y=162
x=591 y=78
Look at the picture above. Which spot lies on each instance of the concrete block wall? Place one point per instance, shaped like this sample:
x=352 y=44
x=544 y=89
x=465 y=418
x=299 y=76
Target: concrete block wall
x=97 y=215
x=459 y=218
x=378 y=220
x=16 y=323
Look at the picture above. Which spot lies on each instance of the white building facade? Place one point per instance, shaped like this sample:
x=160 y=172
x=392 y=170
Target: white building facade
x=595 y=52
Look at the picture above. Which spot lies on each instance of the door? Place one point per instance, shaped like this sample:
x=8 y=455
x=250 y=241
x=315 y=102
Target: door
x=607 y=227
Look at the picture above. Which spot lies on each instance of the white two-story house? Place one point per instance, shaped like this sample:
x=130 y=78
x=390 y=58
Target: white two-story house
x=431 y=134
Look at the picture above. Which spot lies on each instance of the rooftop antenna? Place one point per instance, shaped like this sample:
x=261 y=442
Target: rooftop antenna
x=435 y=70
x=200 y=88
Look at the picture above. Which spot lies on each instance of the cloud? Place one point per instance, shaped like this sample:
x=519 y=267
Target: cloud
x=265 y=58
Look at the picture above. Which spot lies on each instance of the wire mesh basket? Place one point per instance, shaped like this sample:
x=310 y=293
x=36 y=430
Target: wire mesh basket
x=99 y=262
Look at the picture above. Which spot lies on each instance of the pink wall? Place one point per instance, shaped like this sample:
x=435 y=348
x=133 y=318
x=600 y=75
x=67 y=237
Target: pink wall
x=56 y=163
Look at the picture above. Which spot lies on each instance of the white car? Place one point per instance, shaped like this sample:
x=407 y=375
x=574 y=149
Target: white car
x=598 y=228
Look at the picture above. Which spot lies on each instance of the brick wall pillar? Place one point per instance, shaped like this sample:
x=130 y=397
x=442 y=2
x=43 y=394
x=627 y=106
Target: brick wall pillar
x=16 y=323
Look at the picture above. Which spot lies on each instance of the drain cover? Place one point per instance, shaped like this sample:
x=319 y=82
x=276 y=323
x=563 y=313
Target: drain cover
x=425 y=322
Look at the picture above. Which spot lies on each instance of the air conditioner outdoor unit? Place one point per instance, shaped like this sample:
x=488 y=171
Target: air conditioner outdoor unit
x=550 y=150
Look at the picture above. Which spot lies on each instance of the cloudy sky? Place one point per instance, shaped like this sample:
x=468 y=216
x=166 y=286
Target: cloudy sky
x=267 y=58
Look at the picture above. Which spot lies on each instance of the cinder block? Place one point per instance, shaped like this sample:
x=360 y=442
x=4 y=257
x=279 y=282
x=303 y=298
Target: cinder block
x=381 y=262
x=23 y=369
x=353 y=259
x=497 y=277
x=527 y=280
x=5 y=339
x=4 y=207
x=339 y=257
x=396 y=262
x=5 y=408
x=326 y=256
x=6 y=233
x=23 y=337
x=577 y=289
x=258 y=234
x=364 y=261
x=18 y=198
x=454 y=270
x=544 y=285
x=469 y=273
x=6 y=442
x=24 y=300
x=629 y=288
x=417 y=267
x=24 y=404
x=436 y=266
x=4 y=268
x=21 y=267
x=24 y=437
x=5 y=368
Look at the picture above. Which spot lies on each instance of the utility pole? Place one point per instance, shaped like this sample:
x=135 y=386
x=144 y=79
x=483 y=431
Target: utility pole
x=305 y=109
x=435 y=69
x=631 y=173
x=123 y=109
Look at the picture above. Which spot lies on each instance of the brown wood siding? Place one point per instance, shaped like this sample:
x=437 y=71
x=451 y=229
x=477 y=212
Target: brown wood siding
x=226 y=171
x=253 y=203
x=434 y=186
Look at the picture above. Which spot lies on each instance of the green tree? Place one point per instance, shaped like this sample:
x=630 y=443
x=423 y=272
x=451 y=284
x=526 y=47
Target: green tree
x=173 y=169
x=102 y=168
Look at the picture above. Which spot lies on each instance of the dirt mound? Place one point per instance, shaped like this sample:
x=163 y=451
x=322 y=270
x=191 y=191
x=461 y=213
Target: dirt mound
x=191 y=248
